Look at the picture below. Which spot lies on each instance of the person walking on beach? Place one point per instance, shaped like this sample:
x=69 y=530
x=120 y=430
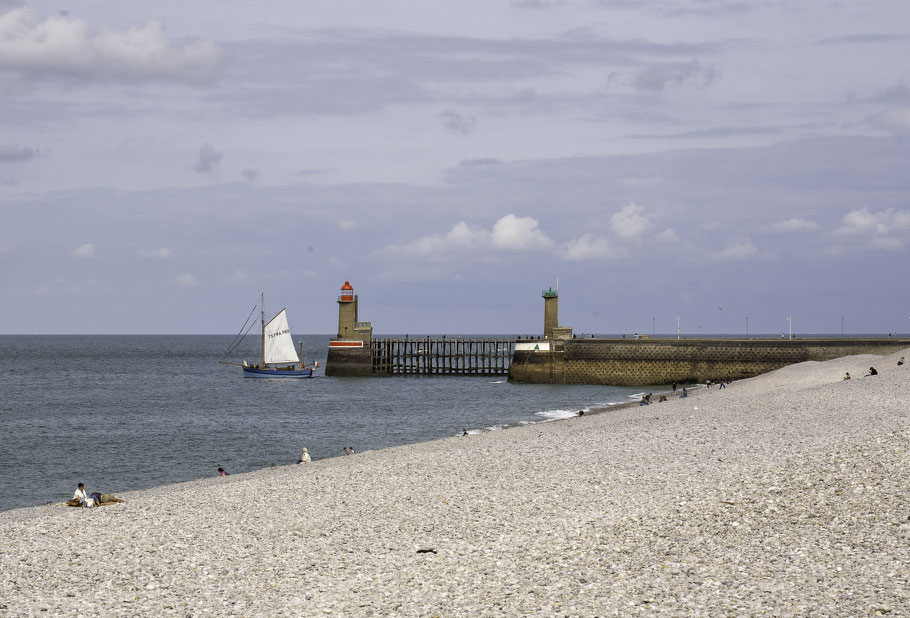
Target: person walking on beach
x=723 y=384
x=685 y=393
x=674 y=387
x=304 y=457
x=222 y=472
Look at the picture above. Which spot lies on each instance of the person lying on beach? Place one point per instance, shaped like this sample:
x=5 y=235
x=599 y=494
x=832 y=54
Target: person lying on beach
x=304 y=457
x=872 y=372
x=900 y=362
x=661 y=398
x=95 y=499
x=222 y=472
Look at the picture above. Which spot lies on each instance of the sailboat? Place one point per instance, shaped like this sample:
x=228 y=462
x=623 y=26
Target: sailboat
x=277 y=356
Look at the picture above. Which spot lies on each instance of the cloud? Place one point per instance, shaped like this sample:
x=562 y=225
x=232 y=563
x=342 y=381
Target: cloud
x=737 y=251
x=458 y=123
x=794 y=225
x=85 y=250
x=510 y=234
x=250 y=175
x=588 y=248
x=240 y=276
x=864 y=221
x=667 y=236
x=209 y=159
x=513 y=233
x=186 y=280
x=479 y=162
x=61 y=45
x=346 y=224
x=630 y=222
x=657 y=77
x=154 y=254
x=16 y=154
x=895 y=121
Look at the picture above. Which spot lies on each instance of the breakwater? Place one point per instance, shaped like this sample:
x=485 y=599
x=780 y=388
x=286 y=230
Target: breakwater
x=624 y=362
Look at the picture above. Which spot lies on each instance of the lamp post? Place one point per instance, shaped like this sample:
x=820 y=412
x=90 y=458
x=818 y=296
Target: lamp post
x=747 y=326
x=652 y=326
x=677 y=327
x=841 y=326
x=789 y=328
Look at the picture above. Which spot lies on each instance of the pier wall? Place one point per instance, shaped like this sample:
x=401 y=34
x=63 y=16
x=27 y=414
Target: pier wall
x=347 y=358
x=626 y=362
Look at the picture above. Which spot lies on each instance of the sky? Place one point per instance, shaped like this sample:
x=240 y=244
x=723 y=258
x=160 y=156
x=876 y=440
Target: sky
x=731 y=164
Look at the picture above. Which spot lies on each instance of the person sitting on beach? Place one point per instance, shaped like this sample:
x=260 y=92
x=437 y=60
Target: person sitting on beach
x=222 y=472
x=662 y=398
x=644 y=402
x=685 y=393
x=82 y=497
x=304 y=457
x=872 y=372
x=900 y=362
x=847 y=377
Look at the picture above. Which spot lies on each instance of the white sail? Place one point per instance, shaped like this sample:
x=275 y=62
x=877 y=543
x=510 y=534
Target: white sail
x=279 y=347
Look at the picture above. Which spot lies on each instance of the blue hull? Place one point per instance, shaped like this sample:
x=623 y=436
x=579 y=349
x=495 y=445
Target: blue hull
x=250 y=372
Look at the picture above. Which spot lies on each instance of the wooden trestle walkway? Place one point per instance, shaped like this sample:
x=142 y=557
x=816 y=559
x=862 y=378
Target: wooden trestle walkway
x=443 y=356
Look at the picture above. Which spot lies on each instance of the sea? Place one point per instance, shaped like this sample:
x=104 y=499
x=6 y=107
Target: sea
x=130 y=412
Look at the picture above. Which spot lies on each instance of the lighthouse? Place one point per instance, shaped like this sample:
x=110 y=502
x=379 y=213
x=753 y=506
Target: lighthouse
x=348 y=326
x=551 y=327
x=349 y=351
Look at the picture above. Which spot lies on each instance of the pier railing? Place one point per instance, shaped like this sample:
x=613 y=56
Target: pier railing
x=441 y=356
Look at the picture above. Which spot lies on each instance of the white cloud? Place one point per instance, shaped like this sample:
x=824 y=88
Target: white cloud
x=895 y=121
x=864 y=221
x=513 y=233
x=668 y=236
x=630 y=222
x=73 y=47
x=186 y=280
x=154 y=254
x=85 y=250
x=794 y=225
x=587 y=247
x=346 y=224
x=886 y=243
x=738 y=251
x=509 y=234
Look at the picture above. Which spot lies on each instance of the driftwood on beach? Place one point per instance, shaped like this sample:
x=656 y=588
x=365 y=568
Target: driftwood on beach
x=785 y=494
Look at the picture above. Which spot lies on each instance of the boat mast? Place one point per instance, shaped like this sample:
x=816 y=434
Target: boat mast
x=262 y=330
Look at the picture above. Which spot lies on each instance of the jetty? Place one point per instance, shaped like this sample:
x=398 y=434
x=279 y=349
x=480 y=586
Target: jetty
x=559 y=357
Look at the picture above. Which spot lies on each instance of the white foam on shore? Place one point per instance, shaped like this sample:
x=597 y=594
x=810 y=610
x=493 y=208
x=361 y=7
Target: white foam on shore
x=555 y=415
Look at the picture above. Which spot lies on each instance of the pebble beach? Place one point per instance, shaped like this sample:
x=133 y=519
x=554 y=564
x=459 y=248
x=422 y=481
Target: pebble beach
x=787 y=494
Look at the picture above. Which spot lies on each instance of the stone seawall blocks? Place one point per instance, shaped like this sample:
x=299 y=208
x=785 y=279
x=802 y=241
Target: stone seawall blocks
x=656 y=362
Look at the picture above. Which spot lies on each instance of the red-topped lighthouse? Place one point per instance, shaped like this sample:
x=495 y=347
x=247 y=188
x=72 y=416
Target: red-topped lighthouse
x=347 y=293
x=349 y=351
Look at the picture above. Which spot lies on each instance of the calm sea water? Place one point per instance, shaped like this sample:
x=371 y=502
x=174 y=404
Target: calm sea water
x=120 y=413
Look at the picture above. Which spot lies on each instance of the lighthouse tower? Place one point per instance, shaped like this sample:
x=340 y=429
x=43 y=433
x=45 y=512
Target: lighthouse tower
x=551 y=327
x=350 y=351
x=348 y=326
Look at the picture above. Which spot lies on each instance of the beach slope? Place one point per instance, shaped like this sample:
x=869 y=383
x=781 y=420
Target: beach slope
x=785 y=494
